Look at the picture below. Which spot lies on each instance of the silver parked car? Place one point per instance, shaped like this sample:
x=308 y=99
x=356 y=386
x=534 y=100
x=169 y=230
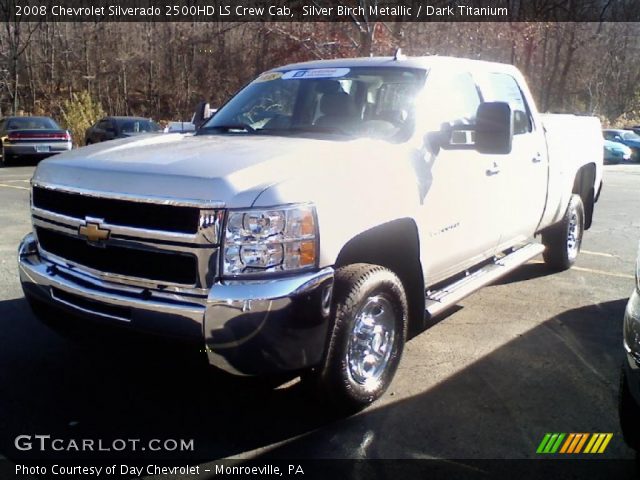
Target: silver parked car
x=38 y=137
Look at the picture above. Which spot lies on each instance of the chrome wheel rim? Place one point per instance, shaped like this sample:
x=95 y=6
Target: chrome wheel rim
x=371 y=342
x=573 y=232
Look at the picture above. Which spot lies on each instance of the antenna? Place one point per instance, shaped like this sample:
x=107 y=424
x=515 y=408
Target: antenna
x=399 y=55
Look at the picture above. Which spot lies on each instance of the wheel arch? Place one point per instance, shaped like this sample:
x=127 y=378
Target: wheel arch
x=584 y=185
x=396 y=246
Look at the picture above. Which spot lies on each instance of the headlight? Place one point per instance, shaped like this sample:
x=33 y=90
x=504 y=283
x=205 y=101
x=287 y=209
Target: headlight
x=270 y=240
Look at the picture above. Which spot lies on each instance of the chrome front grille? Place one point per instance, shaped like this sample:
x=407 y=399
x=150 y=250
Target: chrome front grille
x=168 y=218
x=143 y=242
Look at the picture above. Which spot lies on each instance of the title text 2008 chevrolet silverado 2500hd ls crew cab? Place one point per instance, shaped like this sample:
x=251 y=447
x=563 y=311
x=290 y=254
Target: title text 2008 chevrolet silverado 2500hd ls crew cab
x=320 y=213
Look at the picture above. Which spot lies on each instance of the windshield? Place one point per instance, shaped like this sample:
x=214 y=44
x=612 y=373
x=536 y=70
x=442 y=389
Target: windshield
x=631 y=136
x=135 y=126
x=354 y=102
x=32 y=123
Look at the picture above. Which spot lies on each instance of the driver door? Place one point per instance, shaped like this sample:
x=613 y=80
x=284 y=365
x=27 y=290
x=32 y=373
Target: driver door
x=458 y=217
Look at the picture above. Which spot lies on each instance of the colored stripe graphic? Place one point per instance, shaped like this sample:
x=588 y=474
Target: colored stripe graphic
x=575 y=442
x=590 y=444
x=581 y=443
x=566 y=445
x=550 y=443
x=543 y=443
x=555 y=447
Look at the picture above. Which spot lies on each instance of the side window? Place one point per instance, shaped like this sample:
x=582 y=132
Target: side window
x=455 y=105
x=501 y=87
x=463 y=101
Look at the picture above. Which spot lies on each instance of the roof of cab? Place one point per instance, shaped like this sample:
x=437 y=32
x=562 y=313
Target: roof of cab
x=425 y=63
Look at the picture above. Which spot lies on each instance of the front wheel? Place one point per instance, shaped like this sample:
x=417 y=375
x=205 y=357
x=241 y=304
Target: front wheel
x=563 y=240
x=369 y=331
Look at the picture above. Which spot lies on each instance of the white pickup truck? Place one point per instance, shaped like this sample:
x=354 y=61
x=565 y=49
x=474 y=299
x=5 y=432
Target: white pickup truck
x=322 y=212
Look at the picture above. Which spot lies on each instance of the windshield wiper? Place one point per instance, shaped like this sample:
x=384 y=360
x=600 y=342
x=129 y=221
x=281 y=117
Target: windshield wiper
x=307 y=129
x=227 y=128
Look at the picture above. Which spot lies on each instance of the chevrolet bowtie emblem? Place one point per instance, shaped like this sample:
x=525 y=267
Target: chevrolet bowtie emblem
x=93 y=233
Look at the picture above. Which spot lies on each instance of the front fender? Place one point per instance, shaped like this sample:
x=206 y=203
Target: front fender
x=354 y=196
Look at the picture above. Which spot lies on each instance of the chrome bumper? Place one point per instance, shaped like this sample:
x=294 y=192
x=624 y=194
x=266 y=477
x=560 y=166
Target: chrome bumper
x=248 y=328
x=272 y=326
x=43 y=148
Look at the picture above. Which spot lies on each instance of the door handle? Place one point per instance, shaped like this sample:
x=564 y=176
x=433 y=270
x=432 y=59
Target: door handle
x=537 y=158
x=494 y=170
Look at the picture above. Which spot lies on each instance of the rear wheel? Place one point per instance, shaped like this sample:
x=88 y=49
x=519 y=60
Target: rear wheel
x=369 y=331
x=563 y=240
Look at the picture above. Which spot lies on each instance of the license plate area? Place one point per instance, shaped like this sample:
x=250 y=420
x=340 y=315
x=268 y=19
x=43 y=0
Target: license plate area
x=43 y=148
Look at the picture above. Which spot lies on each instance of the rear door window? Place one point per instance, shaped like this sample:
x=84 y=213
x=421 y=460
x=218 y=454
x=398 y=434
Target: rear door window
x=502 y=87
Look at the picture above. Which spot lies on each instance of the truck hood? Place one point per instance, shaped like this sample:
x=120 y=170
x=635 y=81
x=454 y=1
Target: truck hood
x=230 y=170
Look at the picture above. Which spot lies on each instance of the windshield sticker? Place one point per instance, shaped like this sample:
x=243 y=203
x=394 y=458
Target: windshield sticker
x=268 y=76
x=315 y=73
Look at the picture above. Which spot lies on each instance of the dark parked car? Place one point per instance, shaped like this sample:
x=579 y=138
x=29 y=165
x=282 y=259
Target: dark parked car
x=119 y=127
x=630 y=383
x=38 y=137
x=626 y=137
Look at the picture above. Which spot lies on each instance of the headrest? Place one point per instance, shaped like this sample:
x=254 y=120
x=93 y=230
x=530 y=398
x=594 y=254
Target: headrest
x=329 y=86
x=337 y=104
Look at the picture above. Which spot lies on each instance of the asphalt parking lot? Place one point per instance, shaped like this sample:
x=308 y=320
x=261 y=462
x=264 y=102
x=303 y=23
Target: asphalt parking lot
x=535 y=353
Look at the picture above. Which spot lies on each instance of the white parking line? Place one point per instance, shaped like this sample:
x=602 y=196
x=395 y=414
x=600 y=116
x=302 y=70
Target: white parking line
x=14 y=175
x=599 y=254
x=591 y=270
x=13 y=186
x=602 y=272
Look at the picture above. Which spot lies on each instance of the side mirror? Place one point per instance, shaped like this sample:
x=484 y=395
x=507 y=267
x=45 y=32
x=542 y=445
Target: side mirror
x=202 y=113
x=494 y=128
x=449 y=137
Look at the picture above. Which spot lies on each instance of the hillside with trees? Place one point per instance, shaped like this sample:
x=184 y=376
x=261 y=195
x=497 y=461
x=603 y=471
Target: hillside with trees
x=163 y=69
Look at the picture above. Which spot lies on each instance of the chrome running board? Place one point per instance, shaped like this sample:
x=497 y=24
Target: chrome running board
x=439 y=300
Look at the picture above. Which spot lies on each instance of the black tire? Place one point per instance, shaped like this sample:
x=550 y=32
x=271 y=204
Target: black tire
x=563 y=240
x=362 y=293
x=629 y=414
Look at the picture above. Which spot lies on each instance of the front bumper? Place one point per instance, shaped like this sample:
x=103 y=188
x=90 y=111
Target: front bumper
x=247 y=328
x=632 y=363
